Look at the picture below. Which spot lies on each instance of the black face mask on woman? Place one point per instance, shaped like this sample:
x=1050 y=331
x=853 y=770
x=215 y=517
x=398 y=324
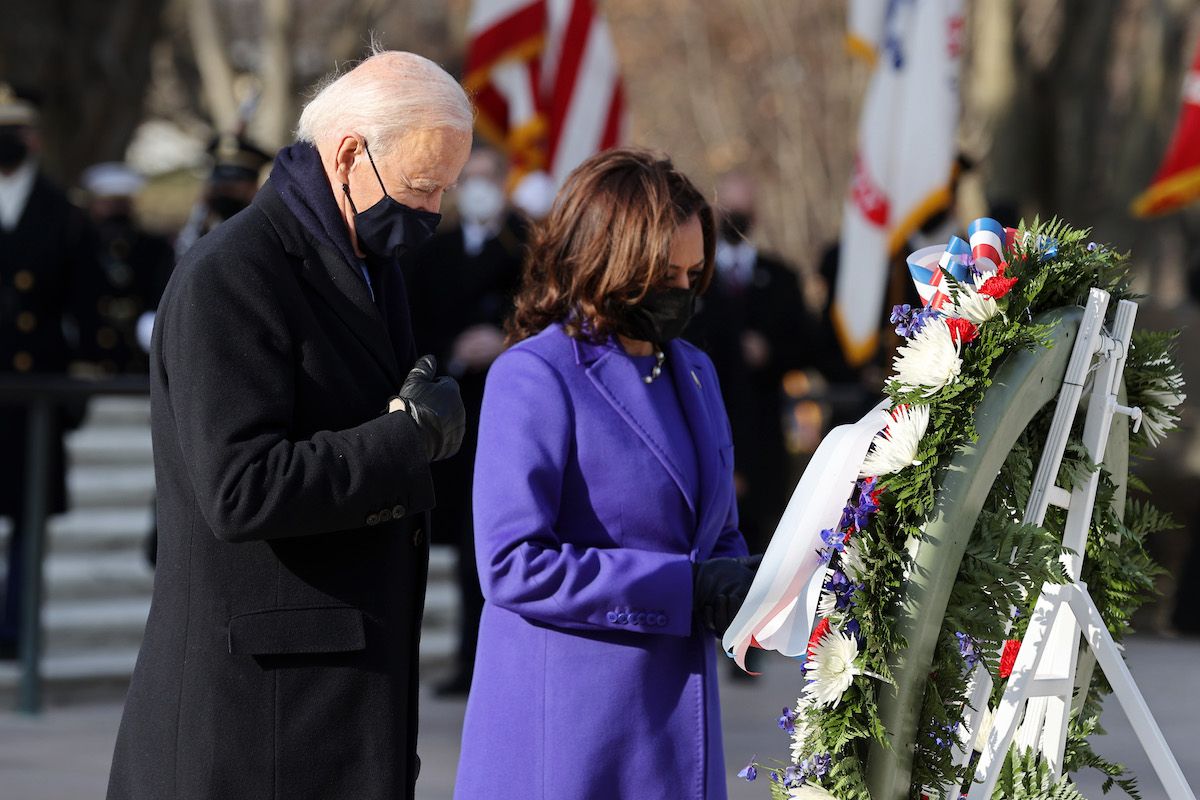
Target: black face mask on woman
x=389 y=228
x=661 y=316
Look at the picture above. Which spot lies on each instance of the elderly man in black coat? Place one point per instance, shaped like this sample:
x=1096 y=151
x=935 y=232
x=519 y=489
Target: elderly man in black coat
x=292 y=461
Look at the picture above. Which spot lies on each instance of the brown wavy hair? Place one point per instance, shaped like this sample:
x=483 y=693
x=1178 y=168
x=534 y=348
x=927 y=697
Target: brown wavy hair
x=607 y=243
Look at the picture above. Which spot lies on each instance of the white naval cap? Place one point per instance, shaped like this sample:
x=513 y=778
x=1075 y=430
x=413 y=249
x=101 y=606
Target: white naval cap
x=111 y=179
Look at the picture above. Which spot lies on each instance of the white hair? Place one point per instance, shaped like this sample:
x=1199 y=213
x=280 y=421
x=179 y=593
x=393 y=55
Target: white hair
x=387 y=95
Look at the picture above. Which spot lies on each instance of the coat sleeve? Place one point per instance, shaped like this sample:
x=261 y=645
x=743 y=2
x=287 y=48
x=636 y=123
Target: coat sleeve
x=231 y=387
x=525 y=441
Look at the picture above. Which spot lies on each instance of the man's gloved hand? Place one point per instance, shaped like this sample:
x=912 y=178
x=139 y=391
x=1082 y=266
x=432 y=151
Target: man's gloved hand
x=437 y=408
x=719 y=589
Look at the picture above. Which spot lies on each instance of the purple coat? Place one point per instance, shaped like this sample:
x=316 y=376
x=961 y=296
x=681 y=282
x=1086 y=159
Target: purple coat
x=591 y=681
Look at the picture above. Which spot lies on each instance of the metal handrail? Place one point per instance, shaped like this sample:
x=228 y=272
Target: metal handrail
x=41 y=395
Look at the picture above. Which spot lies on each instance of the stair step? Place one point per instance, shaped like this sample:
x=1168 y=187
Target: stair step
x=443 y=563
x=95 y=626
x=107 y=411
x=94 y=576
x=99 y=529
x=115 y=487
x=110 y=445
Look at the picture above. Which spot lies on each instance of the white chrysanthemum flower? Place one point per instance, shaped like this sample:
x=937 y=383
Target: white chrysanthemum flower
x=827 y=604
x=929 y=361
x=896 y=446
x=810 y=791
x=799 y=733
x=1160 y=418
x=985 y=727
x=852 y=563
x=973 y=306
x=831 y=668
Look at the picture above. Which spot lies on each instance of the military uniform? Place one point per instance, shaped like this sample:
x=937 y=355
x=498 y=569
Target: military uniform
x=132 y=262
x=46 y=245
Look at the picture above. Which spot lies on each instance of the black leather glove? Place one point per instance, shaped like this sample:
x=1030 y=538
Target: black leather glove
x=719 y=589
x=437 y=408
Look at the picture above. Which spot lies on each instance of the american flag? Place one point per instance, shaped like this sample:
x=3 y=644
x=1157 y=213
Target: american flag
x=546 y=82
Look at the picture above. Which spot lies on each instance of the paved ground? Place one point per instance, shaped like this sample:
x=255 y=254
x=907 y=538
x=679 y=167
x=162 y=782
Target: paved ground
x=64 y=755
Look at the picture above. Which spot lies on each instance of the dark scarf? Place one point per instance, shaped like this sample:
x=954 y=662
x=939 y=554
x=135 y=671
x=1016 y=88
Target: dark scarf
x=299 y=178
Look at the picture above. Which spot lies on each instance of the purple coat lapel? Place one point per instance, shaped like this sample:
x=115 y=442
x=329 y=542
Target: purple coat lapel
x=699 y=395
x=617 y=379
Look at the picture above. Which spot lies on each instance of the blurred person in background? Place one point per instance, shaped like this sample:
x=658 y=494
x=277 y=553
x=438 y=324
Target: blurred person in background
x=132 y=261
x=754 y=325
x=461 y=285
x=47 y=248
x=232 y=184
x=293 y=429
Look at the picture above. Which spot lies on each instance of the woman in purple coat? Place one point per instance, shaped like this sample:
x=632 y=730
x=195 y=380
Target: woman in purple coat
x=605 y=518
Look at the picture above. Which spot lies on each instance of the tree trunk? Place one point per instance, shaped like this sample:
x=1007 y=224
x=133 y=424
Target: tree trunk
x=90 y=64
x=216 y=74
x=276 y=117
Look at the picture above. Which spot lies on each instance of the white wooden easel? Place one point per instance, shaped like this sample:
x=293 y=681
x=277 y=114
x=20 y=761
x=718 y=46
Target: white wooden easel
x=1047 y=675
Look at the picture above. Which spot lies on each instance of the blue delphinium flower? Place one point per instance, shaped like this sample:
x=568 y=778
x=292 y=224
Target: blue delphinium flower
x=1092 y=247
x=834 y=540
x=943 y=736
x=854 y=629
x=750 y=771
x=919 y=319
x=787 y=722
x=900 y=313
x=966 y=648
x=865 y=507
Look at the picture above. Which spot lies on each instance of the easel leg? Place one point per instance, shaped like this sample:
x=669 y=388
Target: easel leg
x=1132 y=703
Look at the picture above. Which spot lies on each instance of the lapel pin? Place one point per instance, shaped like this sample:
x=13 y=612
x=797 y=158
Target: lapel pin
x=696 y=379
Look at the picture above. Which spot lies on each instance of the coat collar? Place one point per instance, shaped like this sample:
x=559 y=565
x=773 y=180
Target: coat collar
x=617 y=379
x=334 y=279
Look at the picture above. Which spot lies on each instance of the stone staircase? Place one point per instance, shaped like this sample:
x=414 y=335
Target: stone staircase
x=97 y=581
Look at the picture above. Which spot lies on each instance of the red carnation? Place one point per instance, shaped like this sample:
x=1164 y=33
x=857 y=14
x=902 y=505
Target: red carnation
x=997 y=286
x=817 y=634
x=962 y=330
x=1009 y=656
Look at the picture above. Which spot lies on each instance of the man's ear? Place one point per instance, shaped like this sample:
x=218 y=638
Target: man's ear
x=344 y=156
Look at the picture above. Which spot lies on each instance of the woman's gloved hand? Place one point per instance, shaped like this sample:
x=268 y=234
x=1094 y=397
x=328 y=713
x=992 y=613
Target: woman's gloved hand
x=719 y=588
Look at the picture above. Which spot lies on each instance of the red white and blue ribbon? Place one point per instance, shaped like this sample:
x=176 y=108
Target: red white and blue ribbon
x=926 y=267
x=987 y=237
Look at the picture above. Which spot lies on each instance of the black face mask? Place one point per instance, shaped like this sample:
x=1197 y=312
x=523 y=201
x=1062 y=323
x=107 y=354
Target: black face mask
x=736 y=226
x=13 y=149
x=389 y=228
x=661 y=316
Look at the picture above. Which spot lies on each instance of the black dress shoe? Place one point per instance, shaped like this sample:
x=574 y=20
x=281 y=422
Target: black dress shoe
x=458 y=686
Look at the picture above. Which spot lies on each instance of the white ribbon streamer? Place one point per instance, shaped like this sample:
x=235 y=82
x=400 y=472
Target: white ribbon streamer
x=782 y=602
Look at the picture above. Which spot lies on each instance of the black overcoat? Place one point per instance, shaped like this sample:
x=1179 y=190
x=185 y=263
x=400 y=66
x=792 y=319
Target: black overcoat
x=280 y=658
